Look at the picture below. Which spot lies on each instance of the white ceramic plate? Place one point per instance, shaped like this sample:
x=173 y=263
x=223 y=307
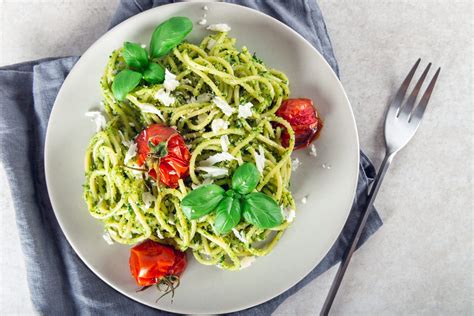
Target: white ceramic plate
x=330 y=192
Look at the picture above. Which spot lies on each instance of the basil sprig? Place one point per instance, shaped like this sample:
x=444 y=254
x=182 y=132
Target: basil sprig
x=230 y=206
x=141 y=65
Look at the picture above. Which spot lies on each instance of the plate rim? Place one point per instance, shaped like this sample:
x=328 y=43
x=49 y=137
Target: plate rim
x=131 y=20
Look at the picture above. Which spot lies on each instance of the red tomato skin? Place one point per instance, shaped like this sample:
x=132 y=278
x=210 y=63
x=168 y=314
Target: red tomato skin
x=151 y=261
x=173 y=166
x=304 y=120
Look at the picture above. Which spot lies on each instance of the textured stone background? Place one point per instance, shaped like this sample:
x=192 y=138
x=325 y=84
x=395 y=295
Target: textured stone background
x=420 y=262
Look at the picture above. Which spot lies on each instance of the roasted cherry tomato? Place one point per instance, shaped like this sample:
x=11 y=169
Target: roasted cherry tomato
x=304 y=120
x=164 y=152
x=152 y=263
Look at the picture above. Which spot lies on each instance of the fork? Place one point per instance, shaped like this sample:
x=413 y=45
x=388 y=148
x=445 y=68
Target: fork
x=401 y=122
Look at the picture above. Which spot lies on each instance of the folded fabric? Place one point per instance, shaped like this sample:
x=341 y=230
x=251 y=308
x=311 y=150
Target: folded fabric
x=59 y=282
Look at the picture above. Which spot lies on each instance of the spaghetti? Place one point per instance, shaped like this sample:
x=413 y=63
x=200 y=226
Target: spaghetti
x=134 y=207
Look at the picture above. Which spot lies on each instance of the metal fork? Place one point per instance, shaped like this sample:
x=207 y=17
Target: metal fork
x=401 y=122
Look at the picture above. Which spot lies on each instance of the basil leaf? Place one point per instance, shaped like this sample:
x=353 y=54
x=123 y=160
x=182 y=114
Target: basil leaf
x=261 y=210
x=227 y=215
x=155 y=73
x=135 y=56
x=168 y=35
x=202 y=201
x=245 y=178
x=124 y=82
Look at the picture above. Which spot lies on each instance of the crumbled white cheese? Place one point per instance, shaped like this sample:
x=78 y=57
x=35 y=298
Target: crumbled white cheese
x=225 y=143
x=213 y=172
x=211 y=43
x=260 y=159
x=149 y=108
x=170 y=83
x=202 y=21
x=131 y=152
x=246 y=262
x=245 y=110
x=239 y=236
x=216 y=158
x=326 y=166
x=98 y=119
x=223 y=105
x=312 y=150
x=143 y=46
x=205 y=8
x=107 y=238
x=295 y=163
x=304 y=199
x=164 y=97
x=131 y=124
x=288 y=213
x=158 y=233
x=148 y=198
x=171 y=222
x=219 y=125
x=220 y=27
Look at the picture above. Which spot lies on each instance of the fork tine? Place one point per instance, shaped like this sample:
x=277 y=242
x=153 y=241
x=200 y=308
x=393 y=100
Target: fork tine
x=403 y=88
x=407 y=108
x=421 y=107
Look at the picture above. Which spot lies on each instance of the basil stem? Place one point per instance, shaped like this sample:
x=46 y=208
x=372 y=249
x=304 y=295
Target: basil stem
x=202 y=201
x=124 y=82
x=245 y=178
x=261 y=210
x=168 y=35
x=227 y=215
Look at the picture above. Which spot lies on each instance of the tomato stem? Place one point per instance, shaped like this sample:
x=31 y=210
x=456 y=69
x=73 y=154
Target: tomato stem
x=171 y=282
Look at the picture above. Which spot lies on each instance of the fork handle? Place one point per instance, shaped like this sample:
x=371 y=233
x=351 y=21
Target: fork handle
x=346 y=258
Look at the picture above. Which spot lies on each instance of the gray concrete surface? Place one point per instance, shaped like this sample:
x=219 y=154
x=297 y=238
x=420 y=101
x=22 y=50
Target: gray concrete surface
x=421 y=261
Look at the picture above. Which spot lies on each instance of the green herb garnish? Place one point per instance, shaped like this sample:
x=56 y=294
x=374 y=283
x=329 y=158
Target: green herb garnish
x=140 y=64
x=256 y=208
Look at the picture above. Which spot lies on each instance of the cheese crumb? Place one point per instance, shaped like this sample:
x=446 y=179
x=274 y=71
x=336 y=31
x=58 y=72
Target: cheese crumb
x=148 y=198
x=219 y=125
x=158 y=233
x=131 y=152
x=211 y=43
x=143 y=46
x=164 y=97
x=205 y=8
x=312 y=150
x=260 y=159
x=219 y=157
x=98 y=119
x=213 y=172
x=245 y=110
x=220 y=27
x=246 y=262
x=170 y=83
x=304 y=199
x=149 y=108
x=225 y=143
x=288 y=213
x=202 y=21
x=223 y=105
x=107 y=238
x=295 y=163
x=326 y=166
x=239 y=236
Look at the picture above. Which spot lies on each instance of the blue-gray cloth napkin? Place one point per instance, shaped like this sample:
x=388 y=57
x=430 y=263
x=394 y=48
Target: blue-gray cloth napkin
x=59 y=282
